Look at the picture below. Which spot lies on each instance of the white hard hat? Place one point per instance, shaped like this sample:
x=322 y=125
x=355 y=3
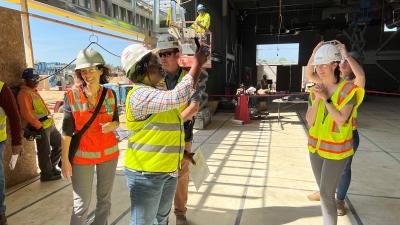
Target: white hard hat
x=167 y=41
x=88 y=58
x=132 y=55
x=326 y=54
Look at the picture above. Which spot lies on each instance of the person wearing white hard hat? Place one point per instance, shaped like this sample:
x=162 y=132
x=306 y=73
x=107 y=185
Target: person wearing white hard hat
x=350 y=70
x=332 y=106
x=97 y=150
x=168 y=49
x=156 y=142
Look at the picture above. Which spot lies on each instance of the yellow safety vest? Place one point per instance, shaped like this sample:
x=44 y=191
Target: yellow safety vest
x=330 y=140
x=39 y=108
x=154 y=144
x=3 y=119
x=204 y=20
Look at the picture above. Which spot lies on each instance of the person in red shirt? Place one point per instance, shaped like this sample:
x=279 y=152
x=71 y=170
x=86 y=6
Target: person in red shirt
x=8 y=109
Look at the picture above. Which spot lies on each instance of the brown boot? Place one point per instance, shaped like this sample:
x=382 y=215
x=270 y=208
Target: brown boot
x=3 y=219
x=341 y=210
x=314 y=196
x=181 y=220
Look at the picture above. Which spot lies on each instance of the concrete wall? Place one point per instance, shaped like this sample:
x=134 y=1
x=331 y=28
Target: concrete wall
x=12 y=63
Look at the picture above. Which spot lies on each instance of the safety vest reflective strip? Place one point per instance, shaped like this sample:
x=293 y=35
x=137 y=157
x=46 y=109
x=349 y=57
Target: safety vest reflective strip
x=95 y=155
x=336 y=147
x=155 y=144
x=312 y=141
x=346 y=90
x=3 y=119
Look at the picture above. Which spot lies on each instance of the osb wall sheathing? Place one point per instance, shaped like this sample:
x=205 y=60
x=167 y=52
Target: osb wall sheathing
x=12 y=63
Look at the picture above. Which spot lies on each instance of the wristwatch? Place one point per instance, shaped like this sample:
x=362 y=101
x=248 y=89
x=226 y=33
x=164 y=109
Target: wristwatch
x=329 y=100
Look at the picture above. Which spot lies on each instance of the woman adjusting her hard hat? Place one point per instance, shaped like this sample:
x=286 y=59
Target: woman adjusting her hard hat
x=92 y=113
x=155 y=145
x=333 y=104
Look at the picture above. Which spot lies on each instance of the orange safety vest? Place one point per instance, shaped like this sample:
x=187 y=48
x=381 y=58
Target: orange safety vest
x=330 y=140
x=95 y=146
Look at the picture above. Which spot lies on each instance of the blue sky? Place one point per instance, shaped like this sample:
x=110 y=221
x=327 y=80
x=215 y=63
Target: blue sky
x=54 y=42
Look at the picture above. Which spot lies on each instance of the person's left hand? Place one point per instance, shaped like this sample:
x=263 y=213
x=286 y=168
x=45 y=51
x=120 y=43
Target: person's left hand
x=17 y=149
x=321 y=91
x=108 y=127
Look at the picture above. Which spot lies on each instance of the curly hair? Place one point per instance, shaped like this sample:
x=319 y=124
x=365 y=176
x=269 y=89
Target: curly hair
x=141 y=69
x=103 y=78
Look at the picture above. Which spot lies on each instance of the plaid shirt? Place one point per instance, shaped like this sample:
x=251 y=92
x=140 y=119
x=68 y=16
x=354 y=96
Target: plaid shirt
x=149 y=100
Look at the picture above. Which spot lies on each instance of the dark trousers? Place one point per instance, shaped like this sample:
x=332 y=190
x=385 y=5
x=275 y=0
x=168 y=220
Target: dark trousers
x=49 y=150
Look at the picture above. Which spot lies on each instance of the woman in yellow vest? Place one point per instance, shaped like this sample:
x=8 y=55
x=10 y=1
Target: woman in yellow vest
x=156 y=140
x=98 y=148
x=333 y=105
x=350 y=70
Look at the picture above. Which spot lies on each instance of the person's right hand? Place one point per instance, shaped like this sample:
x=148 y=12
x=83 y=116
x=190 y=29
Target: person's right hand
x=66 y=169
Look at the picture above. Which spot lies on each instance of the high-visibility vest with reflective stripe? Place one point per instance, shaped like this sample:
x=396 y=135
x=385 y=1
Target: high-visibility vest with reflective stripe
x=154 y=144
x=330 y=140
x=95 y=146
x=3 y=119
x=39 y=107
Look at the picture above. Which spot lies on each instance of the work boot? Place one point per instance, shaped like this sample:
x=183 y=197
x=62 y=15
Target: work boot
x=56 y=171
x=314 y=196
x=49 y=177
x=3 y=219
x=181 y=220
x=341 y=210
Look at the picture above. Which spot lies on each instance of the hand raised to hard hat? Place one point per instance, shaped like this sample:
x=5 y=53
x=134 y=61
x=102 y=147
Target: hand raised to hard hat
x=342 y=49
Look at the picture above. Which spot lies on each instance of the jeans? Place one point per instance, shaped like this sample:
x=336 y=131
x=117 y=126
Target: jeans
x=2 y=179
x=151 y=197
x=344 y=183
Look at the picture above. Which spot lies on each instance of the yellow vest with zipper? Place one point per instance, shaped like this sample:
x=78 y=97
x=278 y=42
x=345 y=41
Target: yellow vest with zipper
x=154 y=144
x=327 y=138
x=39 y=108
x=3 y=119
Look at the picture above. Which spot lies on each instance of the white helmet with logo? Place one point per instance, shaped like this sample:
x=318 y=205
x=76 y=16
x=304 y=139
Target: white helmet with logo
x=167 y=41
x=88 y=58
x=132 y=55
x=326 y=54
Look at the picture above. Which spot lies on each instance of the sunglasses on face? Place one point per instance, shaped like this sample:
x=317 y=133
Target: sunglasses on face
x=165 y=54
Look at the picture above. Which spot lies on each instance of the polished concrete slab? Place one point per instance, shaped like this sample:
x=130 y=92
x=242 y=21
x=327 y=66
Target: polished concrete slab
x=260 y=174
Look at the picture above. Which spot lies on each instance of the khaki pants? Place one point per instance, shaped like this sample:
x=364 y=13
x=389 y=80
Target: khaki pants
x=82 y=181
x=181 y=194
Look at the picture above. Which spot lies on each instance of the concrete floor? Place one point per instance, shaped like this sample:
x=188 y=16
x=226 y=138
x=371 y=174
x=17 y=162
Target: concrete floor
x=260 y=174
